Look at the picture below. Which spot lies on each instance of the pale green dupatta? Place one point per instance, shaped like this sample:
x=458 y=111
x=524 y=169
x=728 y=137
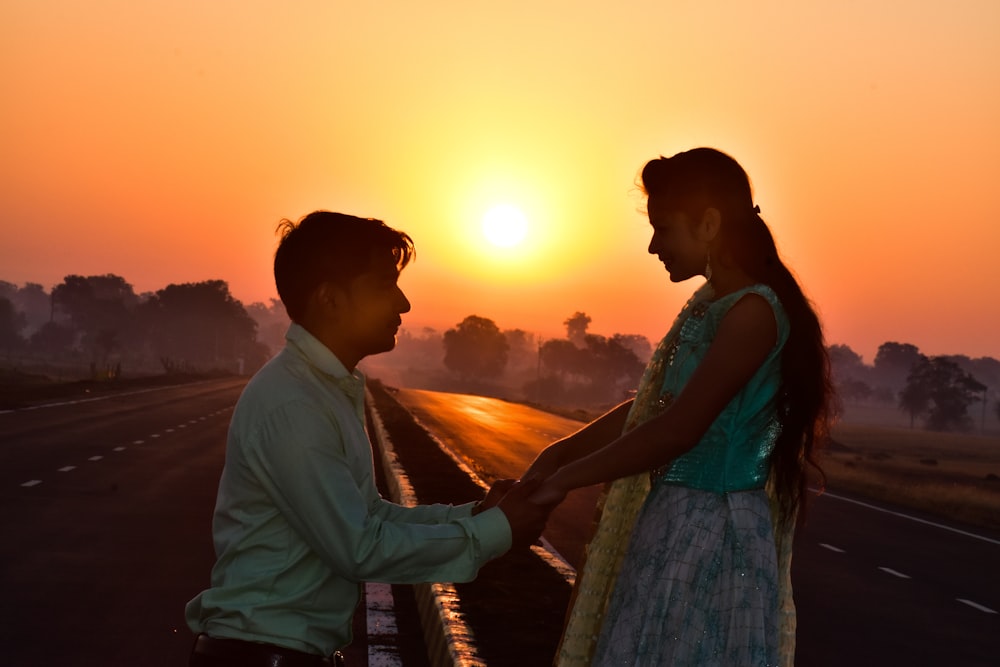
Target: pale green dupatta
x=618 y=508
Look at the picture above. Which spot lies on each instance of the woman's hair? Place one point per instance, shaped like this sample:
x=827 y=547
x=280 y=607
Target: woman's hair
x=330 y=247
x=692 y=181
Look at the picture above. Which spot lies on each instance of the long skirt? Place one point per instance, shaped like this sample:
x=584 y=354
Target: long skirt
x=698 y=585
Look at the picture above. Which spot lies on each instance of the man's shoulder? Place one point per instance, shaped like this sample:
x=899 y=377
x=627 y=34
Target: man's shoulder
x=284 y=379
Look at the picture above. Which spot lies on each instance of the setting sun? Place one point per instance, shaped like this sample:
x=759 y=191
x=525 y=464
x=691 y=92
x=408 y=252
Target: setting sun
x=505 y=225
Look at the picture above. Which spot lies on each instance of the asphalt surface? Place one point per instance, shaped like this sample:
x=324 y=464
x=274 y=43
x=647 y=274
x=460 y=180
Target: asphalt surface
x=873 y=585
x=105 y=509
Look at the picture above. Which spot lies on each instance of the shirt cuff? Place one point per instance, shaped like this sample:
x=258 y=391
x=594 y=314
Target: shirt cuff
x=495 y=538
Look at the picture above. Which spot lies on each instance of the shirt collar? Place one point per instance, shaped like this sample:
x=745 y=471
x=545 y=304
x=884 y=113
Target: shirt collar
x=320 y=357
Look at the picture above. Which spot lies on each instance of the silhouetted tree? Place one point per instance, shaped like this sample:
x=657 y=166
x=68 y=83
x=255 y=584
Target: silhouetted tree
x=423 y=350
x=99 y=309
x=36 y=304
x=52 y=339
x=938 y=387
x=611 y=367
x=845 y=362
x=640 y=345
x=200 y=326
x=576 y=328
x=562 y=358
x=521 y=349
x=476 y=348
x=600 y=371
x=7 y=290
x=272 y=323
x=11 y=323
x=854 y=390
x=894 y=361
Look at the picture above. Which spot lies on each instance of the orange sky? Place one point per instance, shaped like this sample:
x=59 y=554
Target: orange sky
x=164 y=141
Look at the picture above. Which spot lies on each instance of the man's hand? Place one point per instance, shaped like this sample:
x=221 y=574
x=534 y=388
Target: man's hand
x=527 y=519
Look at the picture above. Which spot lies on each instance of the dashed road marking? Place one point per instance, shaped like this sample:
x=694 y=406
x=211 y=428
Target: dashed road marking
x=895 y=573
x=976 y=605
x=121 y=448
x=831 y=547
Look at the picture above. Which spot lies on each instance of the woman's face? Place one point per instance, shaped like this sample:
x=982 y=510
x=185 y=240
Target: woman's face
x=674 y=242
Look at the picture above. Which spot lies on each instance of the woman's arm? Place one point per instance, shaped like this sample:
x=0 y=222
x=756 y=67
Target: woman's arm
x=587 y=440
x=745 y=338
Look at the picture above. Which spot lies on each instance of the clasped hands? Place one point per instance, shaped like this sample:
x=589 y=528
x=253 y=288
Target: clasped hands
x=527 y=502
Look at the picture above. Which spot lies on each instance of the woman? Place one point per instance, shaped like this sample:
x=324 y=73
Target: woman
x=690 y=561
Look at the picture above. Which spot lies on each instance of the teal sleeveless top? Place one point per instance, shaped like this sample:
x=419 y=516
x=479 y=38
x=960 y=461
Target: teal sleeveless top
x=734 y=453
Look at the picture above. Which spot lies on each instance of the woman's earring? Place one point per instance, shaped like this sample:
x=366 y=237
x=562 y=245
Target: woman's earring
x=708 y=264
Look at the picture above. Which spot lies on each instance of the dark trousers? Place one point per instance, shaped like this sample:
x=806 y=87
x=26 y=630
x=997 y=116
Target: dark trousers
x=212 y=652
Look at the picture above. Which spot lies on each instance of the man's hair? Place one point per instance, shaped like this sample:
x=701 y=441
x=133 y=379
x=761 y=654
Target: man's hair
x=330 y=247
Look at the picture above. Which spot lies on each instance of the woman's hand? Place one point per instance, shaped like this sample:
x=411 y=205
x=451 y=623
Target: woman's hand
x=494 y=495
x=544 y=465
x=550 y=492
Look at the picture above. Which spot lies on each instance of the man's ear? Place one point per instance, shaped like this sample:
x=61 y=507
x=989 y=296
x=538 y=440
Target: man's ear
x=327 y=295
x=708 y=226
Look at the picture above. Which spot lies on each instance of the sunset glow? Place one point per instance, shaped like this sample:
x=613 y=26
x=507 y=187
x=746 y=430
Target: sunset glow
x=163 y=142
x=505 y=226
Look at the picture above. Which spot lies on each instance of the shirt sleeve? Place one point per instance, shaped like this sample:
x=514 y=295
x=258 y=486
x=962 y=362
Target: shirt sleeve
x=300 y=455
x=435 y=513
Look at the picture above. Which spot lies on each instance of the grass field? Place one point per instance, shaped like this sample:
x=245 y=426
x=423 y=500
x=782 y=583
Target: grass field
x=952 y=475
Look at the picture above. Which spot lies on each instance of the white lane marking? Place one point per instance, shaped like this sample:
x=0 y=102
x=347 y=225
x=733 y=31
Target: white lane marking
x=138 y=442
x=382 y=629
x=182 y=426
x=831 y=547
x=155 y=435
x=95 y=458
x=67 y=468
x=975 y=605
x=119 y=449
x=33 y=482
x=912 y=518
x=895 y=573
x=103 y=398
x=169 y=430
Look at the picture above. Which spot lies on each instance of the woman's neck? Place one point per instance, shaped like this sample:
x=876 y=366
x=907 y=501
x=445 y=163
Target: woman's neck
x=727 y=281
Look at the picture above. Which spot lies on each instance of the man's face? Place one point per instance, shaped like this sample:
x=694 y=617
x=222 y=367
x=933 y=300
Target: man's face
x=371 y=309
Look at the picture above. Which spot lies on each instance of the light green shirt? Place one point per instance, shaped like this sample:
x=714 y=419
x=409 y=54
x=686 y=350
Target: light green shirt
x=298 y=522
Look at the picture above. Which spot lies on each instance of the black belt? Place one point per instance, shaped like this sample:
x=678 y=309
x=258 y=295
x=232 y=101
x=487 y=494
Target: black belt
x=214 y=651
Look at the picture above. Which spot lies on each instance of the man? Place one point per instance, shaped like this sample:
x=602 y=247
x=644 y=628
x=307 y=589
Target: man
x=298 y=522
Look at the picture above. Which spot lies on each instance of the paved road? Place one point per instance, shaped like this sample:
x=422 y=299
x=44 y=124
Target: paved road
x=873 y=587
x=104 y=515
x=104 y=510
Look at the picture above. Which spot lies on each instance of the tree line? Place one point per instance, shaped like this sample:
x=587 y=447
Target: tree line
x=100 y=323
x=938 y=391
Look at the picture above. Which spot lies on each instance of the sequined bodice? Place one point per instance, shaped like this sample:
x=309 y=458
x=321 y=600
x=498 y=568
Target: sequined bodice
x=733 y=454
